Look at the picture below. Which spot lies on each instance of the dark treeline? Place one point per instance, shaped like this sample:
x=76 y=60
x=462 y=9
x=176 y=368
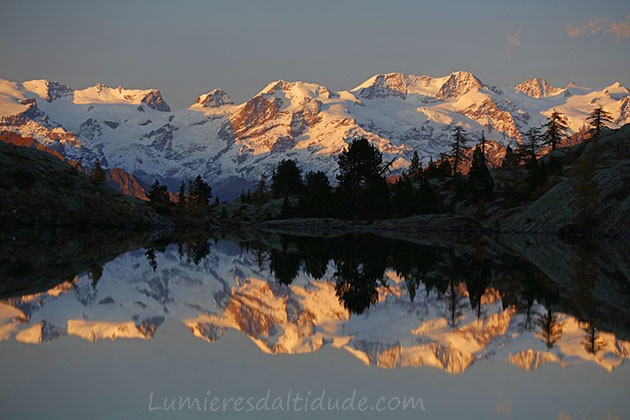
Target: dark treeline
x=359 y=263
x=364 y=192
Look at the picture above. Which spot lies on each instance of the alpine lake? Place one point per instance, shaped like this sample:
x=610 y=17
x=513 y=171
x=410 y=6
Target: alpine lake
x=253 y=324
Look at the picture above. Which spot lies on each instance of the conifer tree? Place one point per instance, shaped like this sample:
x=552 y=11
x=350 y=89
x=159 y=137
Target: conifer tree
x=158 y=194
x=458 y=146
x=261 y=189
x=181 y=195
x=199 y=192
x=480 y=181
x=415 y=168
x=555 y=130
x=530 y=146
x=550 y=328
x=318 y=194
x=287 y=179
x=598 y=121
x=98 y=173
x=361 y=178
x=593 y=343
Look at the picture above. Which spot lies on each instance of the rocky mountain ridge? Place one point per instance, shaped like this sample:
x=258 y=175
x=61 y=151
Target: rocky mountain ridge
x=233 y=145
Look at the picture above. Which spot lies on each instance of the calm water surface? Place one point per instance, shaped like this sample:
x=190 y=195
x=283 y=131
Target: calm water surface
x=252 y=325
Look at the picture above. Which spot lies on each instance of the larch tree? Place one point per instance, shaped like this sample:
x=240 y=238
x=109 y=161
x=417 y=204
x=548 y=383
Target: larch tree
x=555 y=130
x=458 y=146
x=598 y=120
x=98 y=173
x=415 y=167
x=530 y=146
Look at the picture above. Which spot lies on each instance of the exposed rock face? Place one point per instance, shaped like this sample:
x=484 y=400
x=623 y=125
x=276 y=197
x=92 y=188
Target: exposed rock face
x=232 y=146
x=155 y=101
x=458 y=84
x=537 y=88
x=161 y=139
x=249 y=120
x=214 y=99
x=90 y=128
x=12 y=138
x=386 y=85
x=307 y=117
x=125 y=183
x=48 y=90
x=613 y=185
x=489 y=114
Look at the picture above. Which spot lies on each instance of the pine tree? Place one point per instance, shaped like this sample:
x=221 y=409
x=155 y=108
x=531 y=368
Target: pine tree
x=415 y=167
x=261 y=189
x=425 y=200
x=181 y=196
x=200 y=193
x=598 y=120
x=530 y=146
x=318 y=195
x=158 y=194
x=361 y=178
x=593 y=343
x=444 y=169
x=403 y=197
x=458 y=146
x=550 y=328
x=151 y=258
x=480 y=181
x=287 y=179
x=431 y=170
x=98 y=173
x=555 y=130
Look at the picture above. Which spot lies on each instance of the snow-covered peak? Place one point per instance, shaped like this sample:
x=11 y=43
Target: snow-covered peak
x=297 y=90
x=47 y=90
x=458 y=84
x=617 y=90
x=213 y=99
x=398 y=84
x=103 y=94
x=537 y=88
x=12 y=100
x=453 y=85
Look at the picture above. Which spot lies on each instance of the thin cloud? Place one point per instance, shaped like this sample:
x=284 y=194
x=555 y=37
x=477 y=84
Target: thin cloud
x=574 y=31
x=513 y=41
x=601 y=26
x=621 y=29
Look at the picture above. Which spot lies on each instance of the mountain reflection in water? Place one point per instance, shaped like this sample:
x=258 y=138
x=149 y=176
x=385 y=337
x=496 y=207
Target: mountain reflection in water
x=389 y=302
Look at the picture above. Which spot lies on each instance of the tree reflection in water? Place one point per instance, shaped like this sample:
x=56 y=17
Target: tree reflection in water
x=361 y=264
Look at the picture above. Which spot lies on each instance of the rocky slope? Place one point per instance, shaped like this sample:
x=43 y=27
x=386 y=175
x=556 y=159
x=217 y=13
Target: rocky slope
x=39 y=189
x=117 y=178
x=556 y=208
x=233 y=145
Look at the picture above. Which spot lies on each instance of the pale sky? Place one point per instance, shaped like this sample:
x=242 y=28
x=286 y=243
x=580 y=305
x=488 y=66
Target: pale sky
x=186 y=48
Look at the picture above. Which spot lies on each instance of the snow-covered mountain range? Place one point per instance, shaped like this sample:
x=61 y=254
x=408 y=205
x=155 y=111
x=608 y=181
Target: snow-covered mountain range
x=231 y=289
x=233 y=145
